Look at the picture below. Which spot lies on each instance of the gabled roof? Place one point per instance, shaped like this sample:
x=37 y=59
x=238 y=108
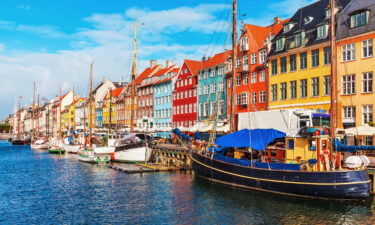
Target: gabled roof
x=171 y=69
x=193 y=66
x=115 y=92
x=146 y=73
x=77 y=100
x=217 y=59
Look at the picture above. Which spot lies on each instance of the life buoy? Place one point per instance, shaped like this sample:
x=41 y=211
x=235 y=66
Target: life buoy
x=304 y=167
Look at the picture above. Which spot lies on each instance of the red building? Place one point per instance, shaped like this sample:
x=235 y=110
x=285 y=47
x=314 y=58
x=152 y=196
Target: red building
x=251 y=64
x=184 y=112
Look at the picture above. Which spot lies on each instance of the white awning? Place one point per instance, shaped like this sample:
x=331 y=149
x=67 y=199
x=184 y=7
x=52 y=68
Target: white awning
x=365 y=130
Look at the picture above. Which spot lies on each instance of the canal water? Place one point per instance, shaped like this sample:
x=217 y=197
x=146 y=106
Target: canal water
x=39 y=188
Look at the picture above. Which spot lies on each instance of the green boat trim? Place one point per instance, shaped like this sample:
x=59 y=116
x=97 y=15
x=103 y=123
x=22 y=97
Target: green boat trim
x=56 y=151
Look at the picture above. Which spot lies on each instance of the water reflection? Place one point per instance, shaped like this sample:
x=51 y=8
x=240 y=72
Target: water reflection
x=40 y=188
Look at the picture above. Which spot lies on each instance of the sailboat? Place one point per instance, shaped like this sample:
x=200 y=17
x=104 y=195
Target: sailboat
x=87 y=154
x=17 y=139
x=56 y=145
x=240 y=158
x=132 y=148
x=38 y=143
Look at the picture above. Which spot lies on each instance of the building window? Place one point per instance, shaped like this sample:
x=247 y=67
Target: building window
x=303 y=60
x=274 y=92
x=253 y=78
x=262 y=56
x=246 y=60
x=221 y=107
x=348 y=113
x=348 y=52
x=293 y=62
x=254 y=97
x=327 y=85
x=283 y=65
x=246 y=79
x=213 y=108
x=315 y=87
x=315 y=58
x=238 y=80
x=293 y=89
x=359 y=19
x=206 y=109
x=283 y=91
x=367 y=82
x=220 y=86
x=327 y=55
x=303 y=87
x=244 y=43
x=238 y=62
x=262 y=96
x=279 y=44
x=367 y=48
x=262 y=76
x=253 y=58
x=348 y=84
x=229 y=64
x=367 y=113
x=322 y=31
x=274 y=67
x=212 y=88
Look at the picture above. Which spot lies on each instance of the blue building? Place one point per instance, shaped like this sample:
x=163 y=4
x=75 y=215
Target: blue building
x=99 y=115
x=163 y=88
x=212 y=97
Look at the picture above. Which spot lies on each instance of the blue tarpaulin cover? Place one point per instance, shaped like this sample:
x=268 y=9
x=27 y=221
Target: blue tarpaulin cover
x=256 y=139
x=180 y=134
x=340 y=147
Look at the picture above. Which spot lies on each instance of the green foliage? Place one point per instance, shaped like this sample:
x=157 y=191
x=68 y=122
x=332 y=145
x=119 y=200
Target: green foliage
x=5 y=128
x=371 y=124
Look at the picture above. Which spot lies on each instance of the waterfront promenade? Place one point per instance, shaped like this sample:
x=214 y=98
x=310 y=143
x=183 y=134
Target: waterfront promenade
x=40 y=188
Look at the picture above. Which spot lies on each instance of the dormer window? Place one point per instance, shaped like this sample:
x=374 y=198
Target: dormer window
x=359 y=19
x=280 y=44
x=288 y=27
x=328 y=13
x=322 y=31
x=308 y=19
x=244 y=43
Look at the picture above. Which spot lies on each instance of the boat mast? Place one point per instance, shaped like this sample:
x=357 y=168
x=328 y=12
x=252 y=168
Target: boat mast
x=37 y=118
x=60 y=130
x=90 y=107
x=110 y=111
x=19 y=119
x=234 y=59
x=134 y=74
x=33 y=115
x=84 y=122
x=333 y=70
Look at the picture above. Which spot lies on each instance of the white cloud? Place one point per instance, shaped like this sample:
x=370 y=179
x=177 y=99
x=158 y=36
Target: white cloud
x=108 y=41
x=2 y=47
x=24 y=7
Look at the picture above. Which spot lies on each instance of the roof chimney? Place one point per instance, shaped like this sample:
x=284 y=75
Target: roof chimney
x=276 y=20
x=168 y=63
x=152 y=63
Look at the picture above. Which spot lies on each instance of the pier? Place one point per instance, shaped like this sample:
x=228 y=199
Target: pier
x=171 y=155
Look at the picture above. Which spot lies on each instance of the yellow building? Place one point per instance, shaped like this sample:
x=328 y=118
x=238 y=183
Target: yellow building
x=128 y=108
x=68 y=116
x=356 y=66
x=299 y=61
x=109 y=107
x=65 y=119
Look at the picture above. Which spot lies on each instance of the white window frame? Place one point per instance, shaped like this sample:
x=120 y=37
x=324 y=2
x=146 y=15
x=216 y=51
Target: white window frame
x=253 y=58
x=348 y=84
x=253 y=77
x=348 y=52
x=367 y=114
x=367 y=48
x=367 y=82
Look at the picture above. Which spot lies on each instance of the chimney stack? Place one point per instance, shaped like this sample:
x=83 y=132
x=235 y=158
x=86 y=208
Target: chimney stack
x=168 y=63
x=276 y=20
x=152 y=63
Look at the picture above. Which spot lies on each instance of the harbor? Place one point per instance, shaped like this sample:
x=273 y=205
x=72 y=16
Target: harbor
x=40 y=188
x=154 y=117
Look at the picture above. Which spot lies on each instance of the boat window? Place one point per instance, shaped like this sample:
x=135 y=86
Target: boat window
x=320 y=122
x=312 y=145
x=290 y=144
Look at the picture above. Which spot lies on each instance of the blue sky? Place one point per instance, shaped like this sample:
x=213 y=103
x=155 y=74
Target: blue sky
x=52 y=42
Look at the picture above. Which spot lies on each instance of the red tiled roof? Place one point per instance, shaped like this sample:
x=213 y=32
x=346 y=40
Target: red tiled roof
x=193 y=66
x=115 y=92
x=217 y=59
x=147 y=72
x=75 y=101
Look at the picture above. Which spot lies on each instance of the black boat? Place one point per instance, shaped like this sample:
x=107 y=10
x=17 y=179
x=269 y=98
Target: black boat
x=18 y=142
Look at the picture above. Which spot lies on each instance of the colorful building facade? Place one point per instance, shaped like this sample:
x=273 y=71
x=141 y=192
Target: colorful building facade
x=184 y=95
x=163 y=89
x=212 y=96
x=356 y=65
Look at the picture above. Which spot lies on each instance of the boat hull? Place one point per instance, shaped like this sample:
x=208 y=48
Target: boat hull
x=134 y=155
x=72 y=149
x=39 y=147
x=343 y=185
x=56 y=151
x=18 y=142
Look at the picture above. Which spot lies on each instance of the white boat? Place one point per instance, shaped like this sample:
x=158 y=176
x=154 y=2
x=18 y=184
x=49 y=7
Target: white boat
x=40 y=144
x=72 y=149
x=132 y=153
x=106 y=149
x=89 y=156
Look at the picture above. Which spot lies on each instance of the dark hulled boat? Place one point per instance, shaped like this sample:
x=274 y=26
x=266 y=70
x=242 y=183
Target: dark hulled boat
x=345 y=184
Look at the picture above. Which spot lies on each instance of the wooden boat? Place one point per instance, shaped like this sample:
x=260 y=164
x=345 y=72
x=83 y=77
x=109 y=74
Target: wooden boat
x=40 y=144
x=89 y=156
